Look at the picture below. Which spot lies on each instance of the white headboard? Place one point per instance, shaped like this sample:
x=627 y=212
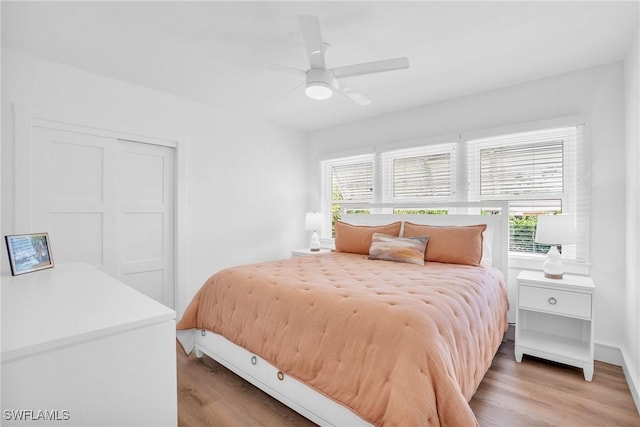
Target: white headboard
x=496 y=216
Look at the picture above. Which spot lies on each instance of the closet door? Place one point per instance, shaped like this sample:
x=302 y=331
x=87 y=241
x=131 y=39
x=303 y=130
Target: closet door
x=145 y=219
x=106 y=202
x=73 y=195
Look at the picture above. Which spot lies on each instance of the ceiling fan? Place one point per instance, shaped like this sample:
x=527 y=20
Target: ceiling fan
x=321 y=82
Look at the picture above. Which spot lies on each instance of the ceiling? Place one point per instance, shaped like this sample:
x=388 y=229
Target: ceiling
x=236 y=55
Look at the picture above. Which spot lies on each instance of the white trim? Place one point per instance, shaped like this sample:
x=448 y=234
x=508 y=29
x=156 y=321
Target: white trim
x=535 y=261
x=26 y=117
x=632 y=379
x=347 y=153
x=524 y=127
x=180 y=230
x=391 y=146
x=619 y=357
x=571 y=120
x=607 y=353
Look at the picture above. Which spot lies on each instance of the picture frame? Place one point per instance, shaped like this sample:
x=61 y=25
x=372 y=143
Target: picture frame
x=28 y=252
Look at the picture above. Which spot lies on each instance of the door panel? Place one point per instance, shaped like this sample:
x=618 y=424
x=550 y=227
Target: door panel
x=74 y=160
x=77 y=237
x=73 y=198
x=146 y=218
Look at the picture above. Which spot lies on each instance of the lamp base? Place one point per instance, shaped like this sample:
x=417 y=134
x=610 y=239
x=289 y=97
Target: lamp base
x=553 y=267
x=314 y=244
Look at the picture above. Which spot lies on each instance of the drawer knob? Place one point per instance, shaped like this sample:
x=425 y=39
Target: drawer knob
x=203 y=333
x=254 y=360
x=553 y=301
x=280 y=375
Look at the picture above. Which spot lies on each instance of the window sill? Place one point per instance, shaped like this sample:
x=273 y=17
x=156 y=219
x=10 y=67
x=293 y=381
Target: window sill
x=534 y=262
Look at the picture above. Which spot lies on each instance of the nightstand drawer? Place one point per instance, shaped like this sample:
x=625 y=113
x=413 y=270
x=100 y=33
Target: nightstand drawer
x=574 y=304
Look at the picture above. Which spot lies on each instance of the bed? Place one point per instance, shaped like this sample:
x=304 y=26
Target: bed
x=348 y=340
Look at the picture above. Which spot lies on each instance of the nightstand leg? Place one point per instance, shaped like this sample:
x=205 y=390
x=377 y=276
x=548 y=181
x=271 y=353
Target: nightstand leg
x=199 y=354
x=588 y=372
x=518 y=353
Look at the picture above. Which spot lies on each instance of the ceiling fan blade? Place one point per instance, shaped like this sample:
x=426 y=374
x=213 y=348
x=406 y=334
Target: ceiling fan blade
x=355 y=96
x=310 y=26
x=371 y=67
x=283 y=68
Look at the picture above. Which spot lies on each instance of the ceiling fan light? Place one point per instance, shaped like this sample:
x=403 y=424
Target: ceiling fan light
x=318 y=91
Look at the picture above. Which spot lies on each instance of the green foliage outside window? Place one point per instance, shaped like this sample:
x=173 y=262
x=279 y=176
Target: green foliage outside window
x=522 y=230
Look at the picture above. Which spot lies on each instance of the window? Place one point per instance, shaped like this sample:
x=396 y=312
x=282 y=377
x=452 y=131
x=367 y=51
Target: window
x=419 y=174
x=537 y=172
x=349 y=179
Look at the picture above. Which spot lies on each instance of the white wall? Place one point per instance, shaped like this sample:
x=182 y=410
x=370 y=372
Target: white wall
x=596 y=94
x=246 y=179
x=632 y=294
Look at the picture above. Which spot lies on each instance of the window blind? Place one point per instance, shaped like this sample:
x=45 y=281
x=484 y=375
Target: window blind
x=522 y=169
x=346 y=179
x=539 y=172
x=352 y=181
x=424 y=173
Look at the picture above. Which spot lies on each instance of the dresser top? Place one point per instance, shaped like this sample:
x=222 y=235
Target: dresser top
x=67 y=304
x=568 y=281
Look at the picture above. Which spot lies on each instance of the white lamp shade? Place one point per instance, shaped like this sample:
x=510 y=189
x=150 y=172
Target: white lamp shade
x=556 y=230
x=313 y=221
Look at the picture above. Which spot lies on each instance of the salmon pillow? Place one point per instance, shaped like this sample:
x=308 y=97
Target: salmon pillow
x=356 y=239
x=449 y=244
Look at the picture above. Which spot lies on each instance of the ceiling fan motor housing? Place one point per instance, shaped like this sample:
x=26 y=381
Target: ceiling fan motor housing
x=320 y=83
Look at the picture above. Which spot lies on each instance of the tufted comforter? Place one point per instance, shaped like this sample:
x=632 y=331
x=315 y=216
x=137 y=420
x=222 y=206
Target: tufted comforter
x=399 y=344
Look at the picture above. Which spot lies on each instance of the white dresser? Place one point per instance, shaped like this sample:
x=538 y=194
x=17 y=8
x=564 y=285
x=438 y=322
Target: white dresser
x=80 y=348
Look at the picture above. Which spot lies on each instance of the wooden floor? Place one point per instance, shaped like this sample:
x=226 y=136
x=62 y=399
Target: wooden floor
x=531 y=393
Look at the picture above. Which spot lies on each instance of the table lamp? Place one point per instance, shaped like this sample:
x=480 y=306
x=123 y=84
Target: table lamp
x=555 y=230
x=313 y=221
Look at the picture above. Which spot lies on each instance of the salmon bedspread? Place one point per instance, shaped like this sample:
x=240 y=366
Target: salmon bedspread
x=399 y=344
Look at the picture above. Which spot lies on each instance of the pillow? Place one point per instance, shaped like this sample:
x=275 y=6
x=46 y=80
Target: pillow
x=400 y=249
x=453 y=245
x=357 y=238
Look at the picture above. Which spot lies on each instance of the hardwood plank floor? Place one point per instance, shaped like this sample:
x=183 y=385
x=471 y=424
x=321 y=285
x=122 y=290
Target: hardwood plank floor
x=531 y=393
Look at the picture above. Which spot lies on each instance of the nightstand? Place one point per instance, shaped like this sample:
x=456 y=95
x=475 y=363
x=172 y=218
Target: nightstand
x=554 y=319
x=308 y=252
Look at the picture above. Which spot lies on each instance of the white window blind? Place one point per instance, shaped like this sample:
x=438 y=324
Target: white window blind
x=539 y=172
x=346 y=179
x=352 y=181
x=419 y=174
x=535 y=168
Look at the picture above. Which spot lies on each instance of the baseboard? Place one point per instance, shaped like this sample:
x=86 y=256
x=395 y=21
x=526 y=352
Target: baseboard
x=608 y=354
x=632 y=379
x=617 y=356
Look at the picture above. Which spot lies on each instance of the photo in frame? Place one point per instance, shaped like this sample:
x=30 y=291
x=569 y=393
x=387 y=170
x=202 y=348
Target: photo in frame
x=28 y=252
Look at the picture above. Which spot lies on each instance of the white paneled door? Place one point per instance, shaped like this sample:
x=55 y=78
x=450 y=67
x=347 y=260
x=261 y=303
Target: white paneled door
x=107 y=202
